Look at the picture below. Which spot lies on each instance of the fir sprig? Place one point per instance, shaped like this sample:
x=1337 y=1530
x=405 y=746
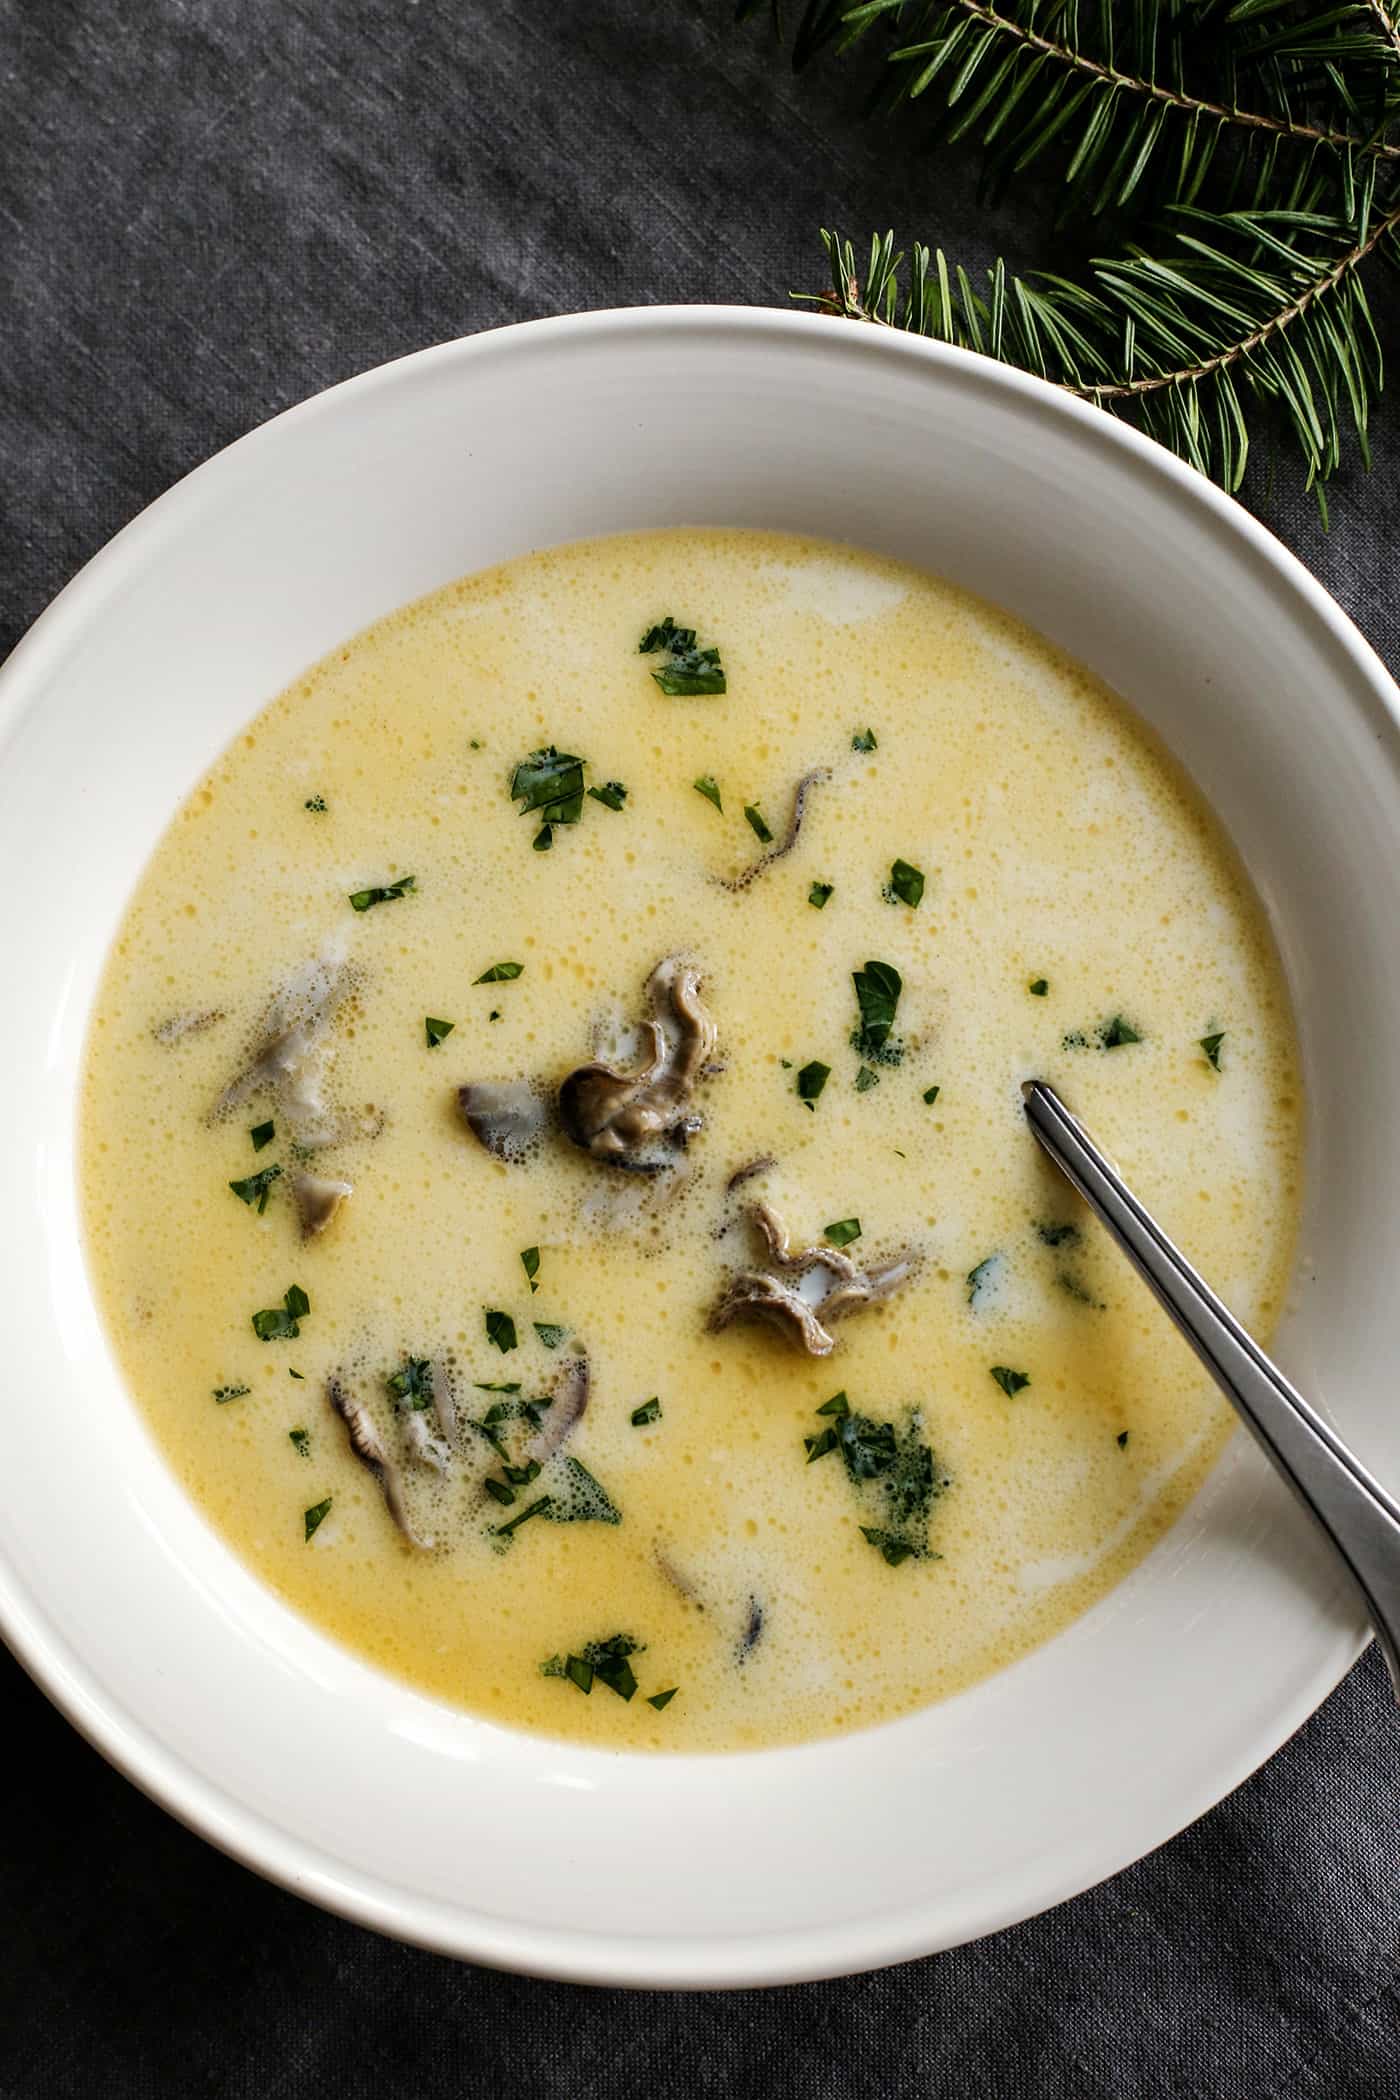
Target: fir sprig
x=1247 y=153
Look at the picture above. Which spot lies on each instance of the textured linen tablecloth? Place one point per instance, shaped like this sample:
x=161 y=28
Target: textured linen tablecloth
x=207 y=212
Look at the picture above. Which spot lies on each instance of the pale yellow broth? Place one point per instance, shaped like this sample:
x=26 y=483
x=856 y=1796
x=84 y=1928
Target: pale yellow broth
x=1057 y=841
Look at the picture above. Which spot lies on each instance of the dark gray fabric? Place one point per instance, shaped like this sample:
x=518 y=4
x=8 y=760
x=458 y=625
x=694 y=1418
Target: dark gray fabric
x=207 y=212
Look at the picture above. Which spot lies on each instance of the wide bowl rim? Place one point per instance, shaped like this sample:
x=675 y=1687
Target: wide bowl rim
x=282 y=1855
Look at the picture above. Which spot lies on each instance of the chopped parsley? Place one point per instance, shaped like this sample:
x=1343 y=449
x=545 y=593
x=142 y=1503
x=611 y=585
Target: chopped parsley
x=612 y=794
x=282 y=1322
x=383 y=893
x=979 y=1278
x=316 y=804
x=893 y=1468
x=583 y=1499
x=254 y=1190
x=436 y=1031
x=810 y=1081
x=540 y=1508
x=690 y=670
x=315 y=1517
x=1121 y=1440
x=550 y=783
x=530 y=1263
x=1055 y=1235
x=500 y=1330
x=500 y=973
x=607 y=1661
x=863 y=740
x=301 y=1442
x=297 y=1375
x=1211 y=1045
x=758 y=824
x=931 y=1094
x=662 y=1699
x=1117 y=1032
x=649 y=1411
x=818 y=894
x=223 y=1393
x=1038 y=987
x=707 y=786
x=412 y=1385
x=262 y=1134
x=1011 y=1382
x=549 y=1332
x=842 y=1232
x=906 y=884
x=878 y=987
x=865 y=1079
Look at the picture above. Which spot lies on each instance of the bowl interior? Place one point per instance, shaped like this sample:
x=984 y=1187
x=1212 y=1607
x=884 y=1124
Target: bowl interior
x=300 y=1758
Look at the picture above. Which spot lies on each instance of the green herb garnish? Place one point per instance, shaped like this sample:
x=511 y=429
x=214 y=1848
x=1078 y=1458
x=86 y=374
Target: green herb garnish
x=1121 y=1440
x=550 y=1333
x=316 y=804
x=931 y=1094
x=224 y=1393
x=865 y=1079
x=863 y=740
x=541 y=1508
x=500 y=1330
x=690 y=670
x=878 y=987
x=1117 y=1032
x=383 y=893
x=282 y=1322
x=436 y=1031
x=894 y=1467
x=709 y=788
x=500 y=973
x=1038 y=987
x=262 y=1134
x=549 y=782
x=584 y=1499
x=649 y=1411
x=612 y=794
x=301 y=1442
x=1011 y=1382
x=411 y=1386
x=530 y=1263
x=978 y=1278
x=906 y=884
x=758 y=824
x=893 y=1548
x=1211 y=1045
x=818 y=894
x=810 y=1081
x=662 y=1699
x=315 y=1517
x=299 y=1376
x=1055 y=1235
x=842 y=1232
x=607 y=1661
x=254 y=1190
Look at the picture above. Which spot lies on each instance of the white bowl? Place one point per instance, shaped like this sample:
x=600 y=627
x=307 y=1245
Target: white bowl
x=293 y=1754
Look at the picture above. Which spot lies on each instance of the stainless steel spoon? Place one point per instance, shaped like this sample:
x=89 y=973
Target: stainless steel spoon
x=1357 y=1515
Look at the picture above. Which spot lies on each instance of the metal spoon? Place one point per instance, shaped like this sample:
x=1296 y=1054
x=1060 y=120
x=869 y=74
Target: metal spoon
x=1357 y=1515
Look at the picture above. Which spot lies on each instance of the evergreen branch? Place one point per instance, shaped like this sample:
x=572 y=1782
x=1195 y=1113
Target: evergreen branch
x=1268 y=302
x=936 y=49
x=1386 y=21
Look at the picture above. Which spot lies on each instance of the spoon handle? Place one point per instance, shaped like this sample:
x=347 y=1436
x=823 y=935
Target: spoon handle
x=1358 y=1516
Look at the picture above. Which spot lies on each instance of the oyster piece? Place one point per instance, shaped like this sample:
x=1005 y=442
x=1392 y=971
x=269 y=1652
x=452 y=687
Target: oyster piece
x=570 y=1398
x=507 y=1116
x=318 y=1198
x=616 y=1116
x=368 y=1447
x=290 y=1063
x=789 y=838
x=804 y=1292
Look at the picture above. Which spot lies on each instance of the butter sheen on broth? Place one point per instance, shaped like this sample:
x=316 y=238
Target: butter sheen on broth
x=1081 y=918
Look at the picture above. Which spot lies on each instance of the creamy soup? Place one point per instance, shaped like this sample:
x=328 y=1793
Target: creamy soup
x=553 y=1158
